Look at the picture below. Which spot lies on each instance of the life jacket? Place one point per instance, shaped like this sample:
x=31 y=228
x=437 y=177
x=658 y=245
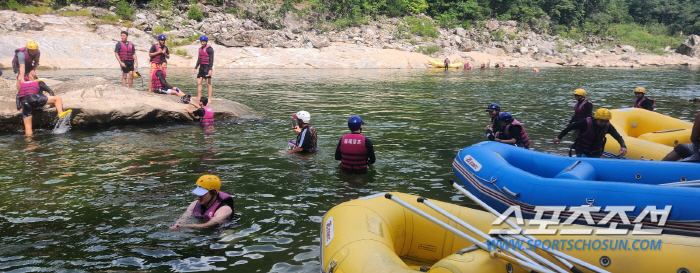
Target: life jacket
x=125 y=51
x=28 y=59
x=524 y=139
x=160 y=58
x=353 y=152
x=638 y=103
x=28 y=88
x=203 y=55
x=312 y=131
x=155 y=80
x=223 y=199
x=447 y=61
x=592 y=141
x=208 y=115
x=494 y=121
x=579 y=110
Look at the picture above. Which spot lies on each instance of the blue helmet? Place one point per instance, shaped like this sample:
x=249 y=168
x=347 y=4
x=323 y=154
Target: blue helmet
x=203 y=38
x=355 y=122
x=493 y=106
x=161 y=37
x=505 y=116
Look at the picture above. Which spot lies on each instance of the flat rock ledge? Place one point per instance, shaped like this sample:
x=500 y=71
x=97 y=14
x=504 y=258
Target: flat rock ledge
x=97 y=102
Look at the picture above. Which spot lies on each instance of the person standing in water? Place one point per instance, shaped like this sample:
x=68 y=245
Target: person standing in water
x=354 y=150
x=212 y=207
x=447 y=63
x=203 y=112
x=306 y=139
x=643 y=101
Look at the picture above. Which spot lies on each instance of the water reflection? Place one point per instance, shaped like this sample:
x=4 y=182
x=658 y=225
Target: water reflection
x=102 y=199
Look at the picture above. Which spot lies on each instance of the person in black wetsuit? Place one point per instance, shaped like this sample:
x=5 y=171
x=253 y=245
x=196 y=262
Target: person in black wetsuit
x=591 y=139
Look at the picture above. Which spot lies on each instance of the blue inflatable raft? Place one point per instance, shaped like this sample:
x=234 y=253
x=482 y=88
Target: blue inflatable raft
x=648 y=192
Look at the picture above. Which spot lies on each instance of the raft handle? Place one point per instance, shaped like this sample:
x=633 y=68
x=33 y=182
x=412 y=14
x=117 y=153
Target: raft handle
x=516 y=195
x=573 y=165
x=332 y=265
x=683 y=270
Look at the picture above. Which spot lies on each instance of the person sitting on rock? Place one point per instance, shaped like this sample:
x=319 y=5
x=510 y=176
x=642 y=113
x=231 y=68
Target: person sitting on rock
x=161 y=86
x=159 y=54
x=643 y=101
x=30 y=97
x=204 y=112
x=689 y=152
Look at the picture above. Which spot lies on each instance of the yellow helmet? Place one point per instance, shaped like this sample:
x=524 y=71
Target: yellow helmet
x=602 y=113
x=580 y=92
x=640 y=90
x=32 y=45
x=135 y=74
x=207 y=183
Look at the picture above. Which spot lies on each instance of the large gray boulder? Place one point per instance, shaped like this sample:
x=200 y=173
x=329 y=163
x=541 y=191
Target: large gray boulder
x=691 y=46
x=97 y=102
x=13 y=21
x=241 y=39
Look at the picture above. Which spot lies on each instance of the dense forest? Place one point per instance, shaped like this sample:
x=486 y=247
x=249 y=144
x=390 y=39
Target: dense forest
x=563 y=17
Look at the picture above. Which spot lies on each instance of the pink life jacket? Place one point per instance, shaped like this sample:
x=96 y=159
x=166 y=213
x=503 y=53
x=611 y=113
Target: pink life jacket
x=125 y=51
x=353 y=152
x=524 y=139
x=28 y=88
x=160 y=58
x=28 y=59
x=208 y=115
x=578 y=110
x=638 y=103
x=222 y=199
x=203 y=55
x=155 y=80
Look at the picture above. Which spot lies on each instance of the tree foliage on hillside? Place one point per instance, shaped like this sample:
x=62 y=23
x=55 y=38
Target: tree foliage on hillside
x=591 y=16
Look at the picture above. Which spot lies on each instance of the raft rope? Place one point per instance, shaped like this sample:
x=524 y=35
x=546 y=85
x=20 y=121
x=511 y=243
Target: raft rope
x=561 y=257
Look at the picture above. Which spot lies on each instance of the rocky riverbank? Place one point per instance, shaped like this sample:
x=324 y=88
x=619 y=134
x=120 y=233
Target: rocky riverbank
x=82 y=42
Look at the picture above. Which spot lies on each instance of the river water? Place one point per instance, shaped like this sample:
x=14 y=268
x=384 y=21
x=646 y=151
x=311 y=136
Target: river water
x=102 y=199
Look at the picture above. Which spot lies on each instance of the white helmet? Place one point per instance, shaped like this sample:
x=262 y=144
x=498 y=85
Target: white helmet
x=304 y=116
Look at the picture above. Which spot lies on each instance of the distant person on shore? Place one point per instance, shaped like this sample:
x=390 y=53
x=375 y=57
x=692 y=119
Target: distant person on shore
x=161 y=86
x=483 y=66
x=203 y=112
x=447 y=63
x=494 y=110
x=354 y=150
x=205 y=62
x=125 y=51
x=535 y=70
x=25 y=61
x=592 y=130
x=688 y=152
x=31 y=97
x=159 y=54
x=306 y=139
x=583 y=108
x=212 y=206
x=513 y=132
x=643 y=101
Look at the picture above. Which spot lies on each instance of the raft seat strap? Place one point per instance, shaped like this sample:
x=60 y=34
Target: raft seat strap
x=516 y=195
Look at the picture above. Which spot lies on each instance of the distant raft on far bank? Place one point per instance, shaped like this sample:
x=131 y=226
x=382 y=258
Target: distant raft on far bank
x=440 y=64
x=648 y=135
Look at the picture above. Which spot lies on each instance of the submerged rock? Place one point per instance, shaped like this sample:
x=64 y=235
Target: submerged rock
x=97 y=102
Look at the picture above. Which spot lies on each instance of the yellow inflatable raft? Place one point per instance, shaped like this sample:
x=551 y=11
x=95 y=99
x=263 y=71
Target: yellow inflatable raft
x=375 y=234
x=648 y=135
x=437 y=63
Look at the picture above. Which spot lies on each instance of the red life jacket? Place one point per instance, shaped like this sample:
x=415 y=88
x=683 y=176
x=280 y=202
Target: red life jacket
x=579 y=113
x=28 y=88
x=524 y=139
x=160 y=58
x=155 y=80
x=353 y=152
x=203 y=55
x=208 y=115
x=28 y=59
x=125 y=51
x=638 y=103
x=224 y=198
x=591 y=141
